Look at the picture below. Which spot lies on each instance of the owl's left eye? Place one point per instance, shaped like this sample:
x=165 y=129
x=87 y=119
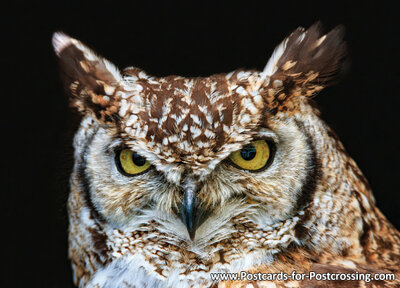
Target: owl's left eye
x=131 y=163
x=254 y=156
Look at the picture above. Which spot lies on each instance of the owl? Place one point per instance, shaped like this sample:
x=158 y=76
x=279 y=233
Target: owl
x=218 y=181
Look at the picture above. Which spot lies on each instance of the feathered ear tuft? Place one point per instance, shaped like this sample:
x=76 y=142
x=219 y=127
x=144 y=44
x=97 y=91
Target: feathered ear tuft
x=92 y=81
x=303 y=64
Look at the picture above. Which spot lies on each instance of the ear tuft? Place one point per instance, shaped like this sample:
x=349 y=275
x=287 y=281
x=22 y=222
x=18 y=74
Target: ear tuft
x=305 y=62
x=93 y=82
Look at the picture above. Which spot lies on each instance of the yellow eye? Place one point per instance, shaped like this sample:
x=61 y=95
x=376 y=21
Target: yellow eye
x=132 y=163
x=253 y=156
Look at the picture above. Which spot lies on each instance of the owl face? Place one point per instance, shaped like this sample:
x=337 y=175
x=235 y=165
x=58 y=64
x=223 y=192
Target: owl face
x=120 y=194
x=185 y=153
x=202 y=166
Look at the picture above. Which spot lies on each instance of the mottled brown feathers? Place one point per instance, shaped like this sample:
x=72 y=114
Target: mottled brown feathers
x=308 y=62
x=310 y=51
x=89 y=79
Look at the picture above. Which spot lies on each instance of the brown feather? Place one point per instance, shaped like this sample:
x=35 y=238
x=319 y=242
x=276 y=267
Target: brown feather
x=309 y=62
x=87 y=78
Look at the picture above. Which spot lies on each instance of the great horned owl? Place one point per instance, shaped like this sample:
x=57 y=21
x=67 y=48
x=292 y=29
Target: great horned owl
x=176 y=179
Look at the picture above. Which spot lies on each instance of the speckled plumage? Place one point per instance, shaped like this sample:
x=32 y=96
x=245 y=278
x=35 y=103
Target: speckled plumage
x=311 y=209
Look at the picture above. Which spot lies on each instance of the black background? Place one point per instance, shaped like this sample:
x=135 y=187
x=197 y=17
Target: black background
x=185 y=38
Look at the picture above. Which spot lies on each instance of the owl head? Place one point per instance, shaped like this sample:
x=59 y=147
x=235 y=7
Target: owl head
x=236 y=163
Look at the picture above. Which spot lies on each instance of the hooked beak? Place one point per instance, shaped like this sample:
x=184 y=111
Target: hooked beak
x=188 y=211
x=191 y=213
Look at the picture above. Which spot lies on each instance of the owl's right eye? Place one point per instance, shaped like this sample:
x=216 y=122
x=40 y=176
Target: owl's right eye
x=131 y=163
x=253 y=157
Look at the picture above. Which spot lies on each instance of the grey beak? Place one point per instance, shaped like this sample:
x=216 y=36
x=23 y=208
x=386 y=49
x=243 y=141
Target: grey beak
x=192 y=212
x=189 y=211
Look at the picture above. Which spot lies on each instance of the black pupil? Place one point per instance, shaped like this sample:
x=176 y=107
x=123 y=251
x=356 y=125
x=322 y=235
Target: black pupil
x=138 y=160
x=248 y=152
